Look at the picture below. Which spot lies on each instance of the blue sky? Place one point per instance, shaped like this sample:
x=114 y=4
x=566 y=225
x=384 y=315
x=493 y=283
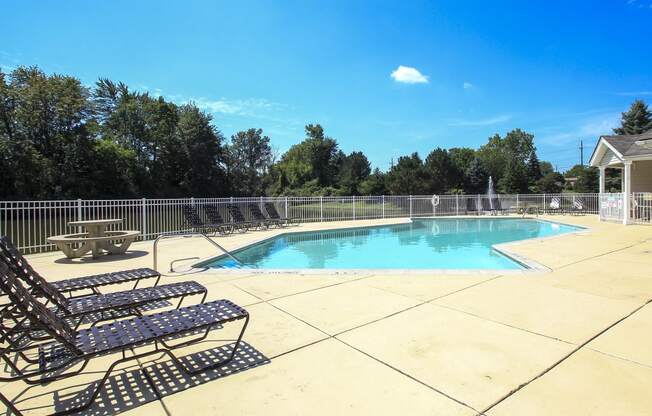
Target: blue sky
x=561 y=70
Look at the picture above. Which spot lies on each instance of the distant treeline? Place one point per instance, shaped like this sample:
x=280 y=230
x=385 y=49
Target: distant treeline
x=61 y=140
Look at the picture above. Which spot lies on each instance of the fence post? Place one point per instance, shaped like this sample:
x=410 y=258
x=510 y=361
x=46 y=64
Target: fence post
x=144 y=225
x=321 y=208
x=517 y=202
x=79 y=210
x=383 y=206
x=457 y=204
x=192 y=200
x=261 y=202
x=353 y=206
x=410 y=206
x=286 y=207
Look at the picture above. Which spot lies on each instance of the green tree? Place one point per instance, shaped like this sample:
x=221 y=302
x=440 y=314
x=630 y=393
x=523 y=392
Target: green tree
x=477 y=177
x=441 y=171
x=533 y=169
x=462 y=157
x=408 y=176
x=354 y=169
x=546 y=168
x=249 y=159
x=374 y=184
x=203 y=145
x=552 y=182
x=515 y=178
x=636 y=120
x=588 y=180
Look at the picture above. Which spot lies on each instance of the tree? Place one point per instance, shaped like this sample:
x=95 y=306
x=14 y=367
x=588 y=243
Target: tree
x=441 y=171
x=408 y=176
x=546 y=168
x=636 y=120
x=476 y=177
x=515 y=178
x=533 y=169
x=205 y=174
x=462 y=157
x=374 y=184
x=588 y=180
x=249 y=159
x=552 y=182
x=355 y=168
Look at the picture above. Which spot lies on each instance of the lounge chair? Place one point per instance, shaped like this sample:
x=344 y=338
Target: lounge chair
x=237 y=217
x=213 y=213
x=259 y=216
x=115 y=304
x=577 y=207
x=72 y=347
x=273 y=213
x=194 y=221
x=92 y=283
x=496 y=206
x=555 y=205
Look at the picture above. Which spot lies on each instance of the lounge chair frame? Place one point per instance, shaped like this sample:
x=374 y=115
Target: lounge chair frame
x=75 y=347
x=273 y=213
x=258 y=215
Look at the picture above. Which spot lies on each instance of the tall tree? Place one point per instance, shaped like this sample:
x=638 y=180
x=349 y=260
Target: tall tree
x=374 y=184
x=249 y=159
x=355 y=168
x=408 y=176
x=476 y=177
x=636 y=120
x=441 y=171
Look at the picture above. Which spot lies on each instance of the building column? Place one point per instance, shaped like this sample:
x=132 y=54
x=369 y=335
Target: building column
x=627 y=190
x=602 y=178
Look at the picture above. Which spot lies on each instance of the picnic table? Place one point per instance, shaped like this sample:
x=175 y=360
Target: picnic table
x=95 y=239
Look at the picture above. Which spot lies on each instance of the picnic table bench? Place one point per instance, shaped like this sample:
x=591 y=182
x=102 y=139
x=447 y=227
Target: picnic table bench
x=95 y=239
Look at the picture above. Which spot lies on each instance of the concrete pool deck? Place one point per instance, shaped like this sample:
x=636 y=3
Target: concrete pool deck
x=576 y=340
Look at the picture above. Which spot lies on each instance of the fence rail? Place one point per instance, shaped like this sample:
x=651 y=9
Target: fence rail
x=29 y=223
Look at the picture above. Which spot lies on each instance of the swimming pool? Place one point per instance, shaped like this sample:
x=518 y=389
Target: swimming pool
x=462 y=243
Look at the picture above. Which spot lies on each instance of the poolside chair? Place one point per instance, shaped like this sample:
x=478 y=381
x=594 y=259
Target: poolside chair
x=194 y=221
x=237 y=217
x=92 y=283
x=496 y=206
x=273 y=213
x=555 y=205
x=213 y=213
x=108 y=306
x=577 y=207
x=73 y=347
x=259 y=216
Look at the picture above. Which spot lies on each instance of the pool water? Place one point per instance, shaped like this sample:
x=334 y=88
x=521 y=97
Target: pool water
x=422 y=244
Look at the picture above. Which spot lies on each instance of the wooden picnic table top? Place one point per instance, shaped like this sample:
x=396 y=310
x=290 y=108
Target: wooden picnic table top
x=95 y=222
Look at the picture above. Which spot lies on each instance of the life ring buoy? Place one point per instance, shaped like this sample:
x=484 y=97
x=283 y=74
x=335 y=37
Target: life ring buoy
x=434 y=200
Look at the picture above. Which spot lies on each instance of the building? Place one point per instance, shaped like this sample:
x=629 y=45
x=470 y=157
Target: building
x=632 y=154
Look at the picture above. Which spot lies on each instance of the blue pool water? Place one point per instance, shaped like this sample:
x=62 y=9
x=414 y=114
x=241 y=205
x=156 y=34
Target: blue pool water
x=423 y=244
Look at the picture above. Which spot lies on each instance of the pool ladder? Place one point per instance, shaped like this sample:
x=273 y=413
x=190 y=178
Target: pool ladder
x=189 y=235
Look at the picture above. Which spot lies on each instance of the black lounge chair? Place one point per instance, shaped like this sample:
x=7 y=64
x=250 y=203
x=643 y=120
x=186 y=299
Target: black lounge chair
x=273 y=213
x=213 y=213
x=116 y=304
x=578 y=206
x=555 y=206
x=92 y=283
x=73 y=347
x=259 y=216
x=193 y=220
x=237 y=217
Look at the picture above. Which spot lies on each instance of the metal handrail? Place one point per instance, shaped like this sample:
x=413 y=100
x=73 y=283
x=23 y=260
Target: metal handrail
x=168 y=235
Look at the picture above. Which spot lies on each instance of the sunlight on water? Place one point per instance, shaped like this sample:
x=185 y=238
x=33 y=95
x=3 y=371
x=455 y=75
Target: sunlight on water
x=422 y=244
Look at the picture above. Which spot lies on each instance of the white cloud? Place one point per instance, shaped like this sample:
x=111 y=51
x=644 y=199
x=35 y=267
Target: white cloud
x=481 y=122
x=408 y=75
x=467 y=85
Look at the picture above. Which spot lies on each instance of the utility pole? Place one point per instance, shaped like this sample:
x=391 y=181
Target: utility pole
x=581 y=153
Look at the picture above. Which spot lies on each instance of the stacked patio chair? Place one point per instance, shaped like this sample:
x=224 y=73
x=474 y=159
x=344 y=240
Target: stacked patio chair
x=193 y=220
x=273 y=213
x=213 y=213
x=71 y=347
x=577 y=207
x=97 y=307
x=555 y=205
x=258 y=215
x=237 y=217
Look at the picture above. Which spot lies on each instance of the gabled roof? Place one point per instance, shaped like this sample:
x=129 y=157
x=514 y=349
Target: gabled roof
x=623 y=146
